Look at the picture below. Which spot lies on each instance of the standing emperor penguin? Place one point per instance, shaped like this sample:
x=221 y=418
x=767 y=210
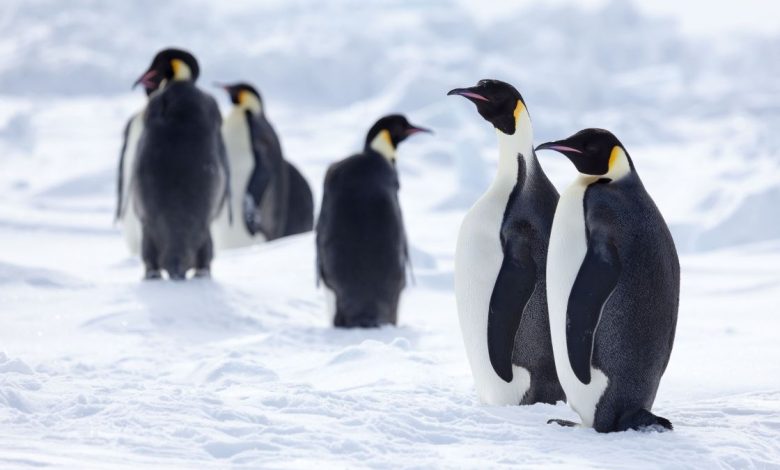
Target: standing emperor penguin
x=125 y=210
x=181 y=173
x=362 y=250
x=269 y=191
x=613 y=285
x=501 y=259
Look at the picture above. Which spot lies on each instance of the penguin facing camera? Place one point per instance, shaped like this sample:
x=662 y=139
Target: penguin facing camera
x=181 y=174
x=613 y=285
x=362 y=250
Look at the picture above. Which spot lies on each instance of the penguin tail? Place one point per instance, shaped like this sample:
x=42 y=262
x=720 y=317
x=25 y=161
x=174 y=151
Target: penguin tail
x=176 y=269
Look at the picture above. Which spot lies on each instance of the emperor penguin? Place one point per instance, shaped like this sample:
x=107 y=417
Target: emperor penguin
x=362 y=250
x=181 y=174
x=269 y=191
x=125 y=212
x=501 y=259
x=613 y=285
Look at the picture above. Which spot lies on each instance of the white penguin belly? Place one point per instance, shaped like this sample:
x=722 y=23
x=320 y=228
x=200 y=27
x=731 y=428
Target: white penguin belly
x=237 y=138
x=478 y=260
x=330 y=301
x=129 y=222
x=567 y=249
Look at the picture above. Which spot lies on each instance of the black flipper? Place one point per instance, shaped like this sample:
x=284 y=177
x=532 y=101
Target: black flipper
x=121 y=173
x=515 y=284
x=408 y=260
x=592 y=288
x=270 y=174
x=223 y=160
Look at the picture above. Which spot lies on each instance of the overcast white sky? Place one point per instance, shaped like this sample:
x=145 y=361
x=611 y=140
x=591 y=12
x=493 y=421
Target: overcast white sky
x=694 y=16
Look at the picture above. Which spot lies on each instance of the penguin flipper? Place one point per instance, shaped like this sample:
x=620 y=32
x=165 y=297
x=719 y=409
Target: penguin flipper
x=260 y=180
x=121 y=173
x=255 y=191
x=223 y=160
x=596 y=279
x=514 y=285
x=408 y=260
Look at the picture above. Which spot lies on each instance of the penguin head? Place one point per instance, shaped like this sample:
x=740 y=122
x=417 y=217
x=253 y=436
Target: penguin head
x=169 y=65
x=498 y=102
x=244 y=96
x=594 y=152
x=389 y=131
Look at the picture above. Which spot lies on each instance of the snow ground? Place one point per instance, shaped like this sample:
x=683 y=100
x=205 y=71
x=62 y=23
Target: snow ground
x=100 y=370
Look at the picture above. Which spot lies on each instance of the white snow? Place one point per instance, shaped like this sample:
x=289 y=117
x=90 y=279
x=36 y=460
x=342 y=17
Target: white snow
x=101 y=370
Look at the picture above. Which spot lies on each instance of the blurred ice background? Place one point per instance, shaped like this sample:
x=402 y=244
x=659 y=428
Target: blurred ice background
x=700 y=85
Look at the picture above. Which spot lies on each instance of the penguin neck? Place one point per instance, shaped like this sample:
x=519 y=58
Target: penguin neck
x=251 y=103
x=244 y=107
x=383 y=145
x=510 y=148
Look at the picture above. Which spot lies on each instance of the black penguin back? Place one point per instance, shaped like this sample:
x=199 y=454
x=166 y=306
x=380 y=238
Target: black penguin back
x=635 y=333
x=361 y=244
x=300 y=207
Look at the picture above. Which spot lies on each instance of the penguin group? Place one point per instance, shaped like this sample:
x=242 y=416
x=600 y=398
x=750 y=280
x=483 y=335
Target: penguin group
x=569 y=297
x=190 y=183
x=560 y=297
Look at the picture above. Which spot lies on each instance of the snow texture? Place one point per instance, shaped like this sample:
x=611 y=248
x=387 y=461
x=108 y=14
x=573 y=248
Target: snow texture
x=100 y=370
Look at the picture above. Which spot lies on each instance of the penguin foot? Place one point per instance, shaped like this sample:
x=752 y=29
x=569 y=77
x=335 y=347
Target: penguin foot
x=203 y=273
x=152 y=275
x=643 y=420
x=563 y=422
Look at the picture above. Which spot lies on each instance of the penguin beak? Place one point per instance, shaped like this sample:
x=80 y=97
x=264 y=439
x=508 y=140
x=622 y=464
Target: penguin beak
x=558 y=146
x=468 y=93
x=146 y=80
x=224 y=86
x=411 y=130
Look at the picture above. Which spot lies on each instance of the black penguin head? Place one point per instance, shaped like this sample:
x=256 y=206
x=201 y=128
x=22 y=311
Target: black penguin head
x=389 y=131
x=244 y=95
x=498 y=102
x=169 y=65
x=595 y=152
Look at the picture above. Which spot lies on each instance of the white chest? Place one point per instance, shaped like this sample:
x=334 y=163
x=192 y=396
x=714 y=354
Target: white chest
x=567 y=249
x=128 y=159
x=477 y=262
x=131 y=226
x=238 y=143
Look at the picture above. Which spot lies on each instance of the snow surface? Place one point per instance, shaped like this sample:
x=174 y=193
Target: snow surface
x=100 y=370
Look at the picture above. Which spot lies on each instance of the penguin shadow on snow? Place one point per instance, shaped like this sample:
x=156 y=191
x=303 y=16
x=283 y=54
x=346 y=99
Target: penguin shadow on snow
x=198 y=308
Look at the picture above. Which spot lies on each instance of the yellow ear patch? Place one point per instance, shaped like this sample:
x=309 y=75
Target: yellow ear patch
x=181 y=71
x=242 y=96
x=618 y=165
x=383 y=144
x=518 y=109
x=613 y=156
x=386 y=137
